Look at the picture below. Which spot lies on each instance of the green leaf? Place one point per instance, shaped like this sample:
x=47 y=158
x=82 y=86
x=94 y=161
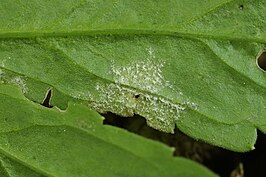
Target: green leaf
x=37 y=141
x=10 y=168
x=192 y=64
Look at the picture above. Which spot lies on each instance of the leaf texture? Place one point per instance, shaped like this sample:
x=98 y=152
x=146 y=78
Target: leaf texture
x=38 y=141
x=191 y=63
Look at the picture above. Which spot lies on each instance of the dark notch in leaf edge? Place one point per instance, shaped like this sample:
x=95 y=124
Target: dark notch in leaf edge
x=47 y=99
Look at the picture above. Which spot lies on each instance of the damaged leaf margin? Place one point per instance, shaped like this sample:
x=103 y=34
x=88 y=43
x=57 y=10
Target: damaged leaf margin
x=66 y=140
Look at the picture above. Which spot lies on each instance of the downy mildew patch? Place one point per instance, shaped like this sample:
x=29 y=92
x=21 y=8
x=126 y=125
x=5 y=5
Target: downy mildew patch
x=19 y=81
x=11 y=78
x=136 y=91
x=1 y=76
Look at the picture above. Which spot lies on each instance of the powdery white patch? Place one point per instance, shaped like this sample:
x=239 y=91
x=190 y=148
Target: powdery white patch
x=7 y=77
x=80 y=95
x=114 y=97
x=145 y=75
x=137 y=89
x=159 y=112
x=19 y=81
x=145 y=79
x=1 y=76
x=1 y=72
x=2 y=64
x=192 y=105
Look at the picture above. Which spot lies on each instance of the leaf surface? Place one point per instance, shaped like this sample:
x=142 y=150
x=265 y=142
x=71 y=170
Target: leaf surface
x=38 y=141
x=186 y=63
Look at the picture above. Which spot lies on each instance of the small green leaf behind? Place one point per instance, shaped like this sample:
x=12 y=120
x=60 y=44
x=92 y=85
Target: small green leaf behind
x=40 y=141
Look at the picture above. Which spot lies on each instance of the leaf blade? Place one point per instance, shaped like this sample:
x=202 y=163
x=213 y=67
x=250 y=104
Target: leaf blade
x=59 y=143
x=196 y=67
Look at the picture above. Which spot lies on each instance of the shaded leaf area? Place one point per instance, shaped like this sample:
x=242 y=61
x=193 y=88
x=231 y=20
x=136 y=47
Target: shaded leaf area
x=221 y=161
x=40 y=141
x=192 y=64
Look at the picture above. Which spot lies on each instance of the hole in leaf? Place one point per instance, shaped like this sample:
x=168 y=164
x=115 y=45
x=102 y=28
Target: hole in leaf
x=137 y=96
x=46 y=101
x=241 y=7
x=261 y=61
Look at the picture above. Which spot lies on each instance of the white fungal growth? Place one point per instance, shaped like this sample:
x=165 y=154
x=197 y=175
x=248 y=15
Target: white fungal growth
x=1 y=76
x=159 y=112
x=114 y=97
x=2 y=64
x=192 y=105
x=80 y=94
x=145 y=75
x=19 y=81
x=137 y=90
x=1 y=73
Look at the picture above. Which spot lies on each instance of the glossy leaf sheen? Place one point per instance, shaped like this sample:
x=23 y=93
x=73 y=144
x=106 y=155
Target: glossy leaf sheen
x=37 y=141
x=193 y=63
